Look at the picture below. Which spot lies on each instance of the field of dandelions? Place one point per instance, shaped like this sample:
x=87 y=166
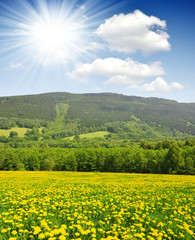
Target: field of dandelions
x=90 y=206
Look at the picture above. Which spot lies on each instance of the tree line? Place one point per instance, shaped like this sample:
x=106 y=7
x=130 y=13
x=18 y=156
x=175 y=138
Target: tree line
x=174 y=160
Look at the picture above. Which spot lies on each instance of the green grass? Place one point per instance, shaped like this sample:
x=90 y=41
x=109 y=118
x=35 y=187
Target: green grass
x=100 y=134
x=20 y=131
x=59 y=121
x=94 y=134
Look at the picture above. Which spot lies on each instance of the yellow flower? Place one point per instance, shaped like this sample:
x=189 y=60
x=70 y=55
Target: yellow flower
x=44 y=223
x=62 y=237
x=37 y=230
x=93 y=230
x=41 y=236
x=44 y=213
x=181 y=235
x=14 y=232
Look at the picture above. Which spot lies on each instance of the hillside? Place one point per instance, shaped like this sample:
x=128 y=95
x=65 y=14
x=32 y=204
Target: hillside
x=125 y=117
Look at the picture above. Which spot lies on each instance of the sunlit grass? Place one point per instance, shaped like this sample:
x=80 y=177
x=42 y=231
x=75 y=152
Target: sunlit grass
x=20 y=131
x=72 y=205
x=100 y=134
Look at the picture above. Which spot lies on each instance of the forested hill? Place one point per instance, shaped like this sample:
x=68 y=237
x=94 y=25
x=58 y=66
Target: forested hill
x=104 y=111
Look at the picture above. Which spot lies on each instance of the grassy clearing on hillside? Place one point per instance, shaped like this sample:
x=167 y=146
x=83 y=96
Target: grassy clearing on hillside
x=96 y=206
x=20 y=131
x=94 y=134
x=100 y=134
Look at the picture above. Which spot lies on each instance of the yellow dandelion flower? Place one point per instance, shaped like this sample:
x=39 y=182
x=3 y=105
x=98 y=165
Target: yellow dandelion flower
x=14 y=232
x=93 y=230
x=181 y=235
x=41 y=236
x=62 y=237
x=37 y=230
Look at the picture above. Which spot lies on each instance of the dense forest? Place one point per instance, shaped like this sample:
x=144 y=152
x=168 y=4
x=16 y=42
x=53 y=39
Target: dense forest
x=160 y=157
x=97 y=132
x=66 y=114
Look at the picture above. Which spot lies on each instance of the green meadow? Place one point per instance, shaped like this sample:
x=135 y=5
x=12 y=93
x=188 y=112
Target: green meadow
x=99 y=134
x=20 y=131
x=96 y=206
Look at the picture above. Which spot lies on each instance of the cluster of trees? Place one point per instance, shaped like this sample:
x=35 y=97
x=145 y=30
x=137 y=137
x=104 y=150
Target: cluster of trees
x=98 y=109
x=5 y=123
x=8 y=123
x=174 y=159
x=165 y=144
x=36 y=137
x=133 y=129
x=40 y=107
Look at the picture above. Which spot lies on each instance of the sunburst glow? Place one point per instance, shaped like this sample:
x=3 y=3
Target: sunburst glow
x=53 y=36
x=46 y=32
x=42 y=40
x=54 y=39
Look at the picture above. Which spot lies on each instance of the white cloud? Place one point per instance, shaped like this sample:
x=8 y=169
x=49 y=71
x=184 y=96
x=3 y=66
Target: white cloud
x=158 y=85
x=93 y=46
x=117 y=71
x=134 y=31
x=15 y=65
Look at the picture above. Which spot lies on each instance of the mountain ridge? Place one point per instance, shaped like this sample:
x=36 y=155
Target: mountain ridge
x=90 y=112
x=100 y=93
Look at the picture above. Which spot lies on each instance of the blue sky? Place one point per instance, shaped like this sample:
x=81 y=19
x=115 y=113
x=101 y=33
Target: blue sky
x=133 y=47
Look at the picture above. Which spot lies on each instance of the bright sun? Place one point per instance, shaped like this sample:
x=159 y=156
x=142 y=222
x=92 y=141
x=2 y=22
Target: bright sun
x=53 y=39
x=48 y=37
x=53 y=35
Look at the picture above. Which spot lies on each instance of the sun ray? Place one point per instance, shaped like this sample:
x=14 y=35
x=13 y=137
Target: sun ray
x=48 y=37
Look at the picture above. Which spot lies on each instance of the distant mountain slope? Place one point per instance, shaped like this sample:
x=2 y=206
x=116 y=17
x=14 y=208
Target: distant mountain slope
x=92 y=110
